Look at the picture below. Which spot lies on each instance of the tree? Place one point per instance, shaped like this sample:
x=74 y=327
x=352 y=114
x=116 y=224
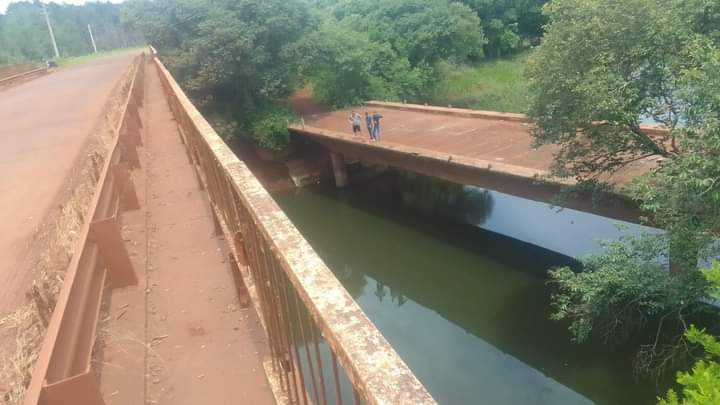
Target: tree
x=24 y=36
x=509 y=25
x=423 y=31
x=230 y=56
x=604 y=67
x=342 y=75
x=701 y=385
x=386 y=49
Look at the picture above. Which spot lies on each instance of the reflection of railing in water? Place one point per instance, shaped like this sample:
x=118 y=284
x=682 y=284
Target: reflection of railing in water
x=303 y=307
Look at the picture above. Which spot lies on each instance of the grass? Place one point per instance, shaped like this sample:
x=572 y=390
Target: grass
x=76 y=60
x=496 y=85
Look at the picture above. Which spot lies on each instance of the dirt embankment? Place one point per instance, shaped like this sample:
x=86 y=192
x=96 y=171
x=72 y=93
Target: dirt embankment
x=52 y=245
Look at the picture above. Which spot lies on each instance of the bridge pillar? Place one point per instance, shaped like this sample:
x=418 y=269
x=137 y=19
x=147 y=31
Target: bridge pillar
x=339 y=170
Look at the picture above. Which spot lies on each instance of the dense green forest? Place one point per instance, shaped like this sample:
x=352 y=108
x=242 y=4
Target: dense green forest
x=24 y=33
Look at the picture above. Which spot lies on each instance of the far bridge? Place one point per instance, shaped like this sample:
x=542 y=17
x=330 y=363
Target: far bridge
x=486 y=149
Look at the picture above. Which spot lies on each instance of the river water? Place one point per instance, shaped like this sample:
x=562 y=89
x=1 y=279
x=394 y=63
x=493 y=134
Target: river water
x=458 y=287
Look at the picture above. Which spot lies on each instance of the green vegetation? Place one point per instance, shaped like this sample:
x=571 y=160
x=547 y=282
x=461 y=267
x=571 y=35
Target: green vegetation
x=598 y=72
x=24 y=35
x=401 y=49
x=76 y=60
x=389 y=49
x=240 y=60
x=497 y=85
x=232 y=57
x=271 y=132
x=509 y=25
x=701 y=385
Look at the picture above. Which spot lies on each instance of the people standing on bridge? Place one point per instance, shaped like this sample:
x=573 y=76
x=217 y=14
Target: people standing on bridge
x=376 y=117
x=369 y=124
x=355 y=122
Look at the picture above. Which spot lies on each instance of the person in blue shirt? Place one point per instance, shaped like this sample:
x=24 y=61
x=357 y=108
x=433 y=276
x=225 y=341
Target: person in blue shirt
x=369 y=124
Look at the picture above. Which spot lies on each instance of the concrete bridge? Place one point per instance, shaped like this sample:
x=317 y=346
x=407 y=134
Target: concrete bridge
x=148 y=265
x=482 y=148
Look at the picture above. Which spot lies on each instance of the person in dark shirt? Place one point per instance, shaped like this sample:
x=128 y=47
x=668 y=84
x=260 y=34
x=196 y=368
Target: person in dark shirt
x=376 y=117
x=369 y=124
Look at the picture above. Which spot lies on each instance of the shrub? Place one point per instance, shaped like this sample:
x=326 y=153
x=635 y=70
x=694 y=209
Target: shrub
x=271 y=130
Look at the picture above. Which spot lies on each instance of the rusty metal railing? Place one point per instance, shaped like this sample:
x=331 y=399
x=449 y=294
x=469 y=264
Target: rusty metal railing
x=62 y=373
x=323 y=348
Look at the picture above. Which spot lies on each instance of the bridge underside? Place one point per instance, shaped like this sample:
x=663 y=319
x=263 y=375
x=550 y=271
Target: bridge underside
x=513 y=180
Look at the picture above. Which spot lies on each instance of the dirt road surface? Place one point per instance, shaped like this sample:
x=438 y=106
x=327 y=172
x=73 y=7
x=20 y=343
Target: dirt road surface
x=44 y=126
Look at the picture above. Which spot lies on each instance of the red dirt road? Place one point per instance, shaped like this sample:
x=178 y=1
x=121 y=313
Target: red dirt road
x=44 y=126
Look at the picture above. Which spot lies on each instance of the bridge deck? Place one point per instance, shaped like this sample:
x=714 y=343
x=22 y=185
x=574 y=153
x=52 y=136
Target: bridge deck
x=502 y=141
x=181 y=333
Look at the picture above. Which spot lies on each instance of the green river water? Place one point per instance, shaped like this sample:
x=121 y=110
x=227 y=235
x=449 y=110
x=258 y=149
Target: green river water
x=465 y=307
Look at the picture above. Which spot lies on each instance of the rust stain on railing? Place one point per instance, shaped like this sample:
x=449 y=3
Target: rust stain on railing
x=299 y=300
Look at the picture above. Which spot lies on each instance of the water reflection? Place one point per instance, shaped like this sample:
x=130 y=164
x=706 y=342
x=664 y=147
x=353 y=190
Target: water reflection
x=431 y=196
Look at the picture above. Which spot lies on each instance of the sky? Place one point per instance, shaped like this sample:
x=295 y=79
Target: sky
x=4 y=3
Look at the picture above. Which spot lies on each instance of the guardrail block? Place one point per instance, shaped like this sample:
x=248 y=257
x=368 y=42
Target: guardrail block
x=81 y=389
x=129 y=151
x=106 y=233
x=125 y=187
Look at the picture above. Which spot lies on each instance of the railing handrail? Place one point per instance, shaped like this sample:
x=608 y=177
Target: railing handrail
x=376 y=371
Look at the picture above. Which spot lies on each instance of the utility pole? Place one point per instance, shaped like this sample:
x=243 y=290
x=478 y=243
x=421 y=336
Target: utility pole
x=52 y=34
x=92 y=39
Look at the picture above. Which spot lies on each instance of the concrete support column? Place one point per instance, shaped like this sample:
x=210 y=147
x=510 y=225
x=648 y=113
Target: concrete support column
x=338 y=163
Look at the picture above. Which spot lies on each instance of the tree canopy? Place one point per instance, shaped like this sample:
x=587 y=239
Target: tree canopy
x=701 y=385
x=386 y=48
x=230 y=56
x=603 y=68
x=509 y=25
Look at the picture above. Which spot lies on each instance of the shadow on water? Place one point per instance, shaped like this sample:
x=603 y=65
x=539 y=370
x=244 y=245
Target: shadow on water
x=466 y=308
